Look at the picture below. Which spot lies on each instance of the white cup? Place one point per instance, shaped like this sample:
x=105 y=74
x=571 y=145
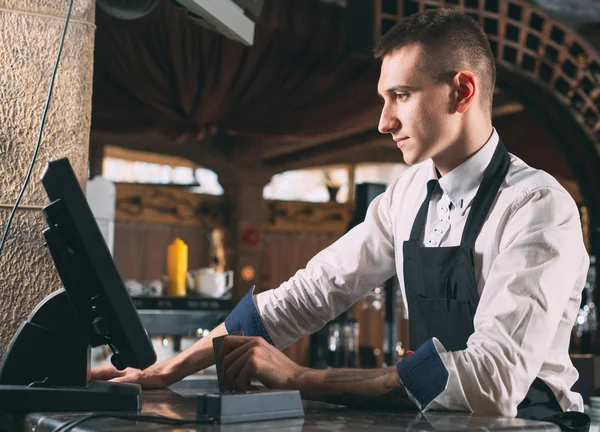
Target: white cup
x=211 y=283
x=134 y=288
x=155 y=288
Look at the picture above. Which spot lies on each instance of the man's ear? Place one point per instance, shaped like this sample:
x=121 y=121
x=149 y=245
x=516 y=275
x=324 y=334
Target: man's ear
x=466 y=87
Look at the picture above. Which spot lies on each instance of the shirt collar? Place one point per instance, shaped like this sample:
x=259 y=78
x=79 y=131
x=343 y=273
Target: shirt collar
x=461 y=184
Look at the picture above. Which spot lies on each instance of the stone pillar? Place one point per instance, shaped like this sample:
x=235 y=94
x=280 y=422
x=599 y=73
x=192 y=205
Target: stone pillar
x=30 y=32
x=247 y=214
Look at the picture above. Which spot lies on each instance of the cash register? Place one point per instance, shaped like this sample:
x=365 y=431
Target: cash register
x=94 y=309
x=47 y=364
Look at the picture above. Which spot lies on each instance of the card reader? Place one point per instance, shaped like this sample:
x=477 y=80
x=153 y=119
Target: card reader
x=250 y=406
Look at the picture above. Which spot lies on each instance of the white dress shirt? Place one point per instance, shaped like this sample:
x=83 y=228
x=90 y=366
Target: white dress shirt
x=530 y=267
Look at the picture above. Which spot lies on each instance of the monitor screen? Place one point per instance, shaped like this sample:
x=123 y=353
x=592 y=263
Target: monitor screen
x=88 y=272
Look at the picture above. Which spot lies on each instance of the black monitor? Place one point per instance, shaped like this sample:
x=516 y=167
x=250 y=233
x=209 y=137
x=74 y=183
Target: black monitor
x=47 y=364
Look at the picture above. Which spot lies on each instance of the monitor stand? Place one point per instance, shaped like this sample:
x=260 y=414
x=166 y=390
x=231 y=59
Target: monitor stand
x=47 y=366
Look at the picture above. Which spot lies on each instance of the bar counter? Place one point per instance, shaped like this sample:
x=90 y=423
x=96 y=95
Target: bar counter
x=175 y=402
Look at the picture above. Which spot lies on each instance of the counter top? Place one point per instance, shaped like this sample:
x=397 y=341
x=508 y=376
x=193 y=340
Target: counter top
x=176 y=403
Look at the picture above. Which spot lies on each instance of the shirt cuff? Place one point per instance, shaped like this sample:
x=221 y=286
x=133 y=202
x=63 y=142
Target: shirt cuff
x=244 y=317
x=423 y=374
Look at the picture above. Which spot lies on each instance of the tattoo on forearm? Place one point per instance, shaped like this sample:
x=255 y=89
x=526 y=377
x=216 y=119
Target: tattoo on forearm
x=389 y=391
x=392 y=381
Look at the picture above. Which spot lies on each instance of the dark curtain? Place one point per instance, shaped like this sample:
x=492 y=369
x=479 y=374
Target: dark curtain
x=165 y=72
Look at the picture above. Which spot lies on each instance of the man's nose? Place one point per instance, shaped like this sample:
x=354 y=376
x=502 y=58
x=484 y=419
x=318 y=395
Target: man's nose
x=388 y=122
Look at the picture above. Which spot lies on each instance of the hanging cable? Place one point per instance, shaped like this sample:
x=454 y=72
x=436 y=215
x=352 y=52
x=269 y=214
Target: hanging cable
x=41 y=130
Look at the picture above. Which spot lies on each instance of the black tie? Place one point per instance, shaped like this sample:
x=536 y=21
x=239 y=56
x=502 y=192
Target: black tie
x=422 y=213
x=431 y=184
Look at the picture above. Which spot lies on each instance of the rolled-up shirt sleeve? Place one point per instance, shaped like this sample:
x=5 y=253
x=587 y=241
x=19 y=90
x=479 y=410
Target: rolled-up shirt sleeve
x=332 y=281
x=537 y=272
x=245 y=318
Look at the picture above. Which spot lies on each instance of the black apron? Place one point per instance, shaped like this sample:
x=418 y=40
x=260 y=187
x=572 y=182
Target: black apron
x=442 y=297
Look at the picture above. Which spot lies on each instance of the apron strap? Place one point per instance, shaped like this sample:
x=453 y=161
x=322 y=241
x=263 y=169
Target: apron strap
x=571 y=421
x=421 y=218
x=486 y=194
x=541 y=404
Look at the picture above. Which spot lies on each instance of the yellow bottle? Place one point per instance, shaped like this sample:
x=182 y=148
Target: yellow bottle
x=177 y=264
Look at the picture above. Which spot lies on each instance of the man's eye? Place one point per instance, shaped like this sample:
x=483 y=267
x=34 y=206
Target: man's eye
x=401 y=96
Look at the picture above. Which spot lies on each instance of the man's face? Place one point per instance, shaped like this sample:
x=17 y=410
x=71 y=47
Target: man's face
x=417 y=111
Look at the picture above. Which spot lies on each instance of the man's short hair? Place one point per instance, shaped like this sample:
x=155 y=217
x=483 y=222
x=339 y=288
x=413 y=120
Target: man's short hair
x=450 y=41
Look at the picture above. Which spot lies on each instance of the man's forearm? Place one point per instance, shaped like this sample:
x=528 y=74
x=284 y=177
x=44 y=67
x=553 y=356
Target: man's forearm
x=379 y=388
x=197 y=357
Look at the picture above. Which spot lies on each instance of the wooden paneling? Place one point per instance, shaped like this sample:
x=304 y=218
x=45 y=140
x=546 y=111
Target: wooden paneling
x=286 y=253
x=141 y=247
x=170 y=205
x=326 y=217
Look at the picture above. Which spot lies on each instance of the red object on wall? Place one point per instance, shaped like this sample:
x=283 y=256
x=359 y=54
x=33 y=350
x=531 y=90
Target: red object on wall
x=250 y=237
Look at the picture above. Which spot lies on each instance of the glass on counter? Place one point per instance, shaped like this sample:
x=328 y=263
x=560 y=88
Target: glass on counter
x=342 y=343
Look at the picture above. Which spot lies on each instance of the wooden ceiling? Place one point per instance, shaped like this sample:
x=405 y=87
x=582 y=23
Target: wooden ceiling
x=525 y=135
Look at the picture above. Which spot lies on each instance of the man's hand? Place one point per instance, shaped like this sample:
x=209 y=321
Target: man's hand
x=245 y=358
x=148 y=378
x=160 y=375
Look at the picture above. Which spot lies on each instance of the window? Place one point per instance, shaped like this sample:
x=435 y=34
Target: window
x=198 y=180
x=311 y=184
x=378 y=172
x=308 y=185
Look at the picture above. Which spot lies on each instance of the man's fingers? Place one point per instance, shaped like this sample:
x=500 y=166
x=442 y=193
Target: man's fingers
x=237 y=339
x=234 y=367
x=230 y=343
x=105 y=372
x=121 y=379
x=230 y=353
x=132 y=376
x=246 y=373
x=236 y=352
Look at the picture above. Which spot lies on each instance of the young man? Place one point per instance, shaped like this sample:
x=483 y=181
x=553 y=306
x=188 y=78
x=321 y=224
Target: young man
x=491 y=263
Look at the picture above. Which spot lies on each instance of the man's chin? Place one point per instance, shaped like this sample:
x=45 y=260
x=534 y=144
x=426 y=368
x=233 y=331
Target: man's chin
x=410 y=158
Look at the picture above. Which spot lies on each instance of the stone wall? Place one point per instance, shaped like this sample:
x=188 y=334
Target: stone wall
x=30 y=32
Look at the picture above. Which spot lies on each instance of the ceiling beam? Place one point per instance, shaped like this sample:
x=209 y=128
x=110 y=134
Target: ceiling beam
x=148 y=157
x=271 y=150
x=331 y=152
x=206 y=152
